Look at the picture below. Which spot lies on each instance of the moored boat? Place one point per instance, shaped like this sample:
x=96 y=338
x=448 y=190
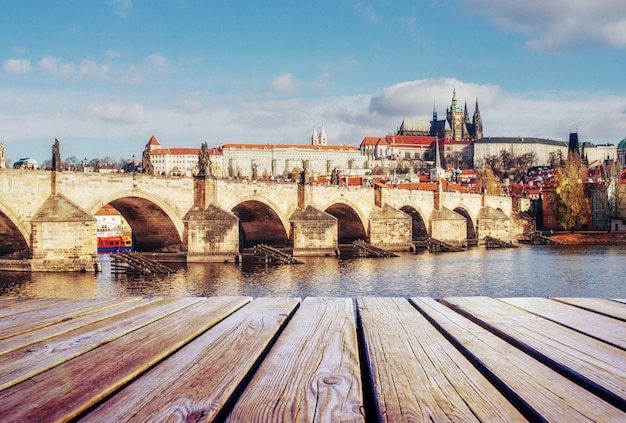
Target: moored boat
x=114 y=244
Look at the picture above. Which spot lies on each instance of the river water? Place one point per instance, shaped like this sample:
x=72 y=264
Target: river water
x=566 y=271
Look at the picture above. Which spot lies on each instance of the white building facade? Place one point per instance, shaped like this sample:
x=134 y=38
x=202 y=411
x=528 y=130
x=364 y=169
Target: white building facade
x=518 y=146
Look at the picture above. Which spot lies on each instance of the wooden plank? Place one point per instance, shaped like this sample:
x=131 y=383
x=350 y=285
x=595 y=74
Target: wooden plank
x=312 y=373
x=196 y=382
x=26 y=362
x=55 y=313
x=27 y=338
x=540 y=392
x=598 y=305
x=418 y=375
x=69 y=389
x=598 y=366
x=22 y=305
x=604 y=328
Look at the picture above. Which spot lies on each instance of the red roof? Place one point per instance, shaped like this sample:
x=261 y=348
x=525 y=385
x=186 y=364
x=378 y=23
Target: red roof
x=287 y=146
x=373 y=141
x=416 y=140
x=153 y=141
x=175 y=151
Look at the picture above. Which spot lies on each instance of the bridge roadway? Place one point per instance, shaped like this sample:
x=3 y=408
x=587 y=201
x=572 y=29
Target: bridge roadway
x=48 y=217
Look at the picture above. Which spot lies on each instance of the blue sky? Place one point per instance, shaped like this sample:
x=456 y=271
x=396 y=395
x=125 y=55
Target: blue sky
x=102 y=76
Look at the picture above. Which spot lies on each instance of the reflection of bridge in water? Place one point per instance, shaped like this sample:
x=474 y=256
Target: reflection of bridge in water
x=48 y=217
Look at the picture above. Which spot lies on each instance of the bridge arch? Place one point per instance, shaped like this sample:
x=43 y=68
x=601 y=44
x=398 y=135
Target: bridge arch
x=419 y=231
x=260 y=223
x=471 y=234
x=350 y=226
x=155 y=226
x=14 y=235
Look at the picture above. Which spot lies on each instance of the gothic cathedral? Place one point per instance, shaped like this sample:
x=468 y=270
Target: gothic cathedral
x=456 y=126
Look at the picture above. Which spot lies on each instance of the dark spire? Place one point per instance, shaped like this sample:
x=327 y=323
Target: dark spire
x=573 y=143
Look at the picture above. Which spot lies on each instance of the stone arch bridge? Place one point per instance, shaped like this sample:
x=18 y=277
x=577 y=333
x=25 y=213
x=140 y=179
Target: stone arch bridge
x=47 y=218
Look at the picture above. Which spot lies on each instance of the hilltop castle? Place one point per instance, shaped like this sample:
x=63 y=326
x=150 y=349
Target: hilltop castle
x=456 y=126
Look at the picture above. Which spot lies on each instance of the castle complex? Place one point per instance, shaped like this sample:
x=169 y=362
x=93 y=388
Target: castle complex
x=456 y=126
x=460 y=141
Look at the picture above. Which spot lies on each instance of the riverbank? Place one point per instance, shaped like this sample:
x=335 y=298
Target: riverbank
x=589 y=238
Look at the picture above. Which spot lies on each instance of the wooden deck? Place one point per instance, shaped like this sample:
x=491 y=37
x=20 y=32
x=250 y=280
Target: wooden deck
x=320 y=359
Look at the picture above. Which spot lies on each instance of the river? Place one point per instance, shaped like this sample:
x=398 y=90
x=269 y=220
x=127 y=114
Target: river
x=564 y=271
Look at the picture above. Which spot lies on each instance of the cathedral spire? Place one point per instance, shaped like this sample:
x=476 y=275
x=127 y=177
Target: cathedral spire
x=314 y=139
x=323 y=138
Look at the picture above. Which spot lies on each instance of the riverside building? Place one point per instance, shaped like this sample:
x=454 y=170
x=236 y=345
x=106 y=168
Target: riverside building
x=265 y=161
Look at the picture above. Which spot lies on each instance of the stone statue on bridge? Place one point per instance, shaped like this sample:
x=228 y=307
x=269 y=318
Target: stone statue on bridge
x=146 y=164
x=56 y=156
x=3 y=159
x=334 y=177
x=204 y=168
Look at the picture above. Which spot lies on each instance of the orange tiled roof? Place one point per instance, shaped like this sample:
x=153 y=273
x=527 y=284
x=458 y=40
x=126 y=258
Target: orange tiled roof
x=288 y=146
x=107 y=210
x=175 y=151
x=417 y=140
x=153 y=141
x=373 y=141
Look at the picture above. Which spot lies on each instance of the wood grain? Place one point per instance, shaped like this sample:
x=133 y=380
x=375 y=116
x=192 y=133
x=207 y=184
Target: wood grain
x=598 y=305
x=68 y=389
x=548 y=395
x=604 y=328
x=42 y=317
x=594 y=363
x=418 y=375
x=312 y=373
x=196 y=382
x=14 y=342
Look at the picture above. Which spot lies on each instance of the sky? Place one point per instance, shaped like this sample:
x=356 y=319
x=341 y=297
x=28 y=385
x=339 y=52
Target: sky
x=103 y=76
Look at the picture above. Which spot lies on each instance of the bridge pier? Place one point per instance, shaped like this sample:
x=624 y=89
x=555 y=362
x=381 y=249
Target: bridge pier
x=313 y=232
x=63 y=237
x=390 y=229
x=491 y=222
x=448 y=226
x=211 y=235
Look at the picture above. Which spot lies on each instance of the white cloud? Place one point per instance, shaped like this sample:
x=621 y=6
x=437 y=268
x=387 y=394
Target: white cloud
x=112 y=54
x=131 y=80
x=415 y=99
x=157 y=63
x=282 y=84
x=122 y=7
x=91 y=69
x=559 y=25
x=115 y=112
x=57 y=68
x=123 y=127
x=17 y=66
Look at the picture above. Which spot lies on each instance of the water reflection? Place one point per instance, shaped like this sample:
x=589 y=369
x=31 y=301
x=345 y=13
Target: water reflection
x=529 y=271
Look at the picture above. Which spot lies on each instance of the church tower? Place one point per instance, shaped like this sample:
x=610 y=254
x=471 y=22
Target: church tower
x=456 y=119
x=434 y=126
x=323 y=138
x=314 y=139
x=477 y=124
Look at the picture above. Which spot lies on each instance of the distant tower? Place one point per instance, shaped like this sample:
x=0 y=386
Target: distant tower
x=434 y=126
x=573 y=144
x=477 y=124
x=323 y=137
x=456 y=119
x=437 y=172
x=314 y=139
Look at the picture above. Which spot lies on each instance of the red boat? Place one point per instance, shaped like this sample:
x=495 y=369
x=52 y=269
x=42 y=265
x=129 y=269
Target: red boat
x=113 y=244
